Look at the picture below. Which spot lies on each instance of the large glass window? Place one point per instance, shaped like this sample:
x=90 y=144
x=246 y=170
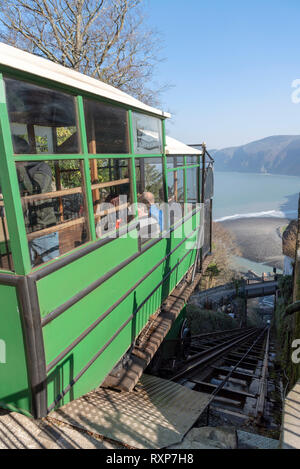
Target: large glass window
x=176 y=187
x=209 y=183
x=175 y=161
x=147 y=134
x=180 y=178
x=191 y=160
x=106 y=127
x=150 y=193
x=192 y=186
x=207 y=227
x=149 y=177
x=41 y=120
x=54 y=207
x=6 y=262
x=112 y=193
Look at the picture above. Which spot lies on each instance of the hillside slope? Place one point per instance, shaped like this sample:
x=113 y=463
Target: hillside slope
x=279 y=154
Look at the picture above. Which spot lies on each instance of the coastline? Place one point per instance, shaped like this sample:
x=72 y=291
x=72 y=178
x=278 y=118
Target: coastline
x=259 y=239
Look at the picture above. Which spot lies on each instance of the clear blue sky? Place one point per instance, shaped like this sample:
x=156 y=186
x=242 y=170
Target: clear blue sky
x=232 y=63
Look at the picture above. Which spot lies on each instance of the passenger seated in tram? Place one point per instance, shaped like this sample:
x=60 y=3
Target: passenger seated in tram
x=154 y=211
x=114 y=210
x=149 y=223
x=36 y=178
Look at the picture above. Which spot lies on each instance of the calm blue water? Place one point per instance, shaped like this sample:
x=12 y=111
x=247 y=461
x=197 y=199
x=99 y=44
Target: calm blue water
x=250 y=195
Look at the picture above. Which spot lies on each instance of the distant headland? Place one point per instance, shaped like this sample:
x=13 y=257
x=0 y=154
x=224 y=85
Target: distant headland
x=279 y=154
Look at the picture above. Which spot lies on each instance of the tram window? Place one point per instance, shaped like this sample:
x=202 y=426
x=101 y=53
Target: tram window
x=192 y=184
x=6 y=262
x=191 y=160
x=147 y=134
x=112 y=193
x=176 y=192
x=54 y=207
x=209 y=183
x=175 y=181
x=175 y=161
x=150 y=190
x=46 y=119
x=149 y=177
x=106 y=127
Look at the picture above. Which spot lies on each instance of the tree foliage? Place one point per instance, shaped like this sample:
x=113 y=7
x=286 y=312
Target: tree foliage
x=106 y=39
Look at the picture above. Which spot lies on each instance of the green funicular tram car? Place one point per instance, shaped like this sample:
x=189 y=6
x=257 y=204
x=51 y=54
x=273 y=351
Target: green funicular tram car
x=89 y=247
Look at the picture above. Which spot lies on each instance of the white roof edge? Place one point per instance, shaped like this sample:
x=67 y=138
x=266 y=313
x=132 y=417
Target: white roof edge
x=175 y=147
x=24 y=61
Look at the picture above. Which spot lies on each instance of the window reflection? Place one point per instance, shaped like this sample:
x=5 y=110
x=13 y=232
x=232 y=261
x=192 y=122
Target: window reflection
x=45 y=119
x=147 y=134
x=106 y=127
x=54 y=207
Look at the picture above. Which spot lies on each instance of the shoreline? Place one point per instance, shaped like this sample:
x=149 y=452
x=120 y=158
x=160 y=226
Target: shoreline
x=259 y=239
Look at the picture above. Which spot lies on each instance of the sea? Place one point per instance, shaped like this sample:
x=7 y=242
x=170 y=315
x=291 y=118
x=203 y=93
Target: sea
x=247 y=195
x=250 y=195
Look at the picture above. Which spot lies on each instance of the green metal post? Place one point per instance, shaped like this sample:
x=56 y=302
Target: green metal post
x=87 y=174
x=165 y=160
x=133 y=173
x=185 y=185
x=11 y=193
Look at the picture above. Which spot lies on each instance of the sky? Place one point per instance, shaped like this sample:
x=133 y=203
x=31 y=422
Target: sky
x=231 y=64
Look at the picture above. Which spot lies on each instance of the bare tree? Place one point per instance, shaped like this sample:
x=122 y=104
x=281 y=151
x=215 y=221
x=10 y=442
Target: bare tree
x=224 y=247
x=106 y=39
x=289 y=238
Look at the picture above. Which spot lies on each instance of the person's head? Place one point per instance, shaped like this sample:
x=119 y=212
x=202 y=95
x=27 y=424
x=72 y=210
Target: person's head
x=148 y=197
x=143 y=205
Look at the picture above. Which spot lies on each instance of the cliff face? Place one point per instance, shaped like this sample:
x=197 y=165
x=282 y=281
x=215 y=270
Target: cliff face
x=278 y=155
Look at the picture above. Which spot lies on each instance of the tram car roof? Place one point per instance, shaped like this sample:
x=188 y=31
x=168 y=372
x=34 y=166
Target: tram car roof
x=175 y=147
x=29 y=63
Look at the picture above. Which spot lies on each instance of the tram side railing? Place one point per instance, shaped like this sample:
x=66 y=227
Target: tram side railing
x=207 y=187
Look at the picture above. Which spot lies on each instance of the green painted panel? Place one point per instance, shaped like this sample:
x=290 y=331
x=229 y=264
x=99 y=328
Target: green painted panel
x=94 y=376
x=60 y=333
x=77 y=358
x=14 y=392
x=60 y=286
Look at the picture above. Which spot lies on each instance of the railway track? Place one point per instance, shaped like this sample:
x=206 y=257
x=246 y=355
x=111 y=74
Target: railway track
x=232 y=367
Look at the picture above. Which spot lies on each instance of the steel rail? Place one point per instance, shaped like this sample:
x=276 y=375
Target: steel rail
x=263 y=382
x=217 y=333
x=205 y=341
x=222 y=384
x=216 y=351
x=207 y=335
